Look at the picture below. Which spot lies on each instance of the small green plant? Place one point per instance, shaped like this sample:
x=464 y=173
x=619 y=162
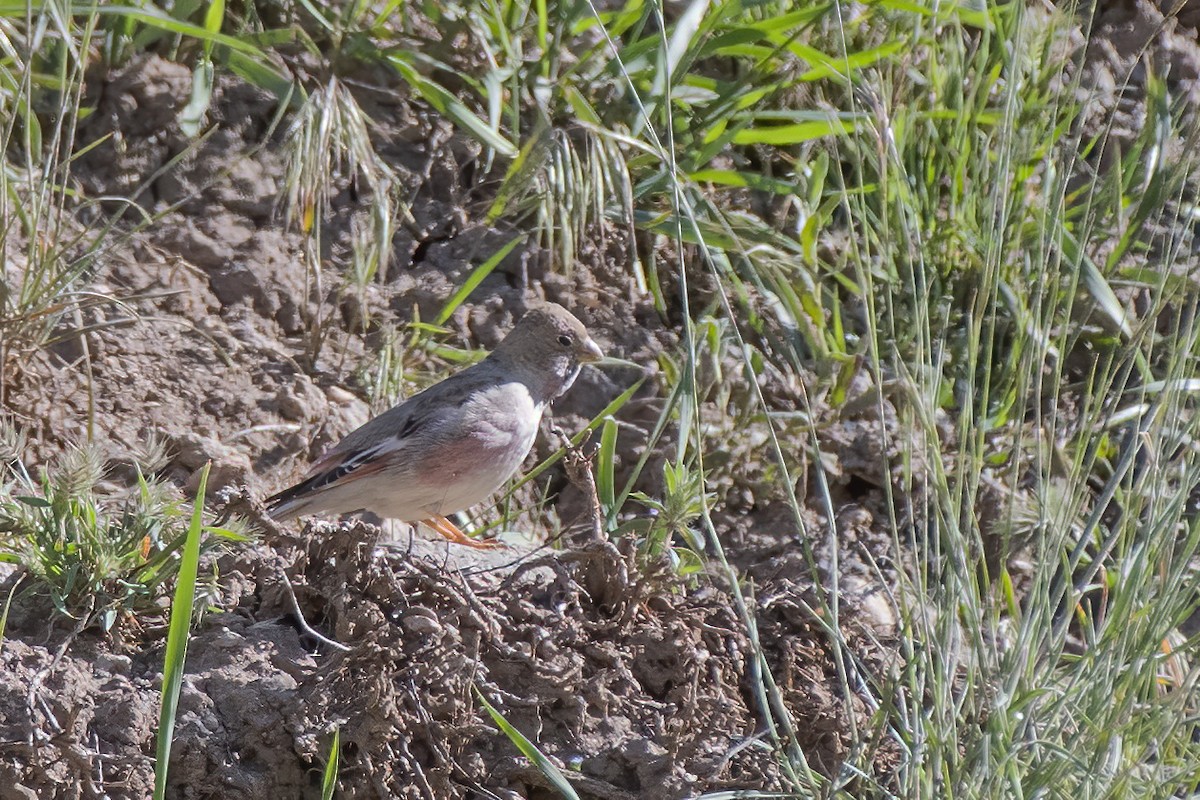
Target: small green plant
x=99 y=556
x=681 y=506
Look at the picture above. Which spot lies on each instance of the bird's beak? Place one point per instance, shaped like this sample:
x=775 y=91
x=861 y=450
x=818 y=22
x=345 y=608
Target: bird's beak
x=589 y=351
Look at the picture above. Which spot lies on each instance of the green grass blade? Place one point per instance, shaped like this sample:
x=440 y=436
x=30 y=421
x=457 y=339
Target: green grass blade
x=446 y=103
x=476 y=278
x=329 y=780
x=605 y=462
x=7 y=606
x=214 y=18
x=177 y=639
x=530 y=751
x=147 y=16
x=745 y=180
x=797 y=133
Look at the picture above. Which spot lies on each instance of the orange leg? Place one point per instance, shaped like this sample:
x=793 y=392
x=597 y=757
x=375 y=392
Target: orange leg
x=449 y=530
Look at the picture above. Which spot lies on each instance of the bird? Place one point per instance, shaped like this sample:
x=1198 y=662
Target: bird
x=451 y=446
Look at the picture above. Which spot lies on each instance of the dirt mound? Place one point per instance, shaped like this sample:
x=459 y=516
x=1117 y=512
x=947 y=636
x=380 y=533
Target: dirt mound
x=627 y=679
x=634 y=683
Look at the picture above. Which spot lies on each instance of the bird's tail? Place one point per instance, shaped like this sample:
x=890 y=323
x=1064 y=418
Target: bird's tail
x=288 y=504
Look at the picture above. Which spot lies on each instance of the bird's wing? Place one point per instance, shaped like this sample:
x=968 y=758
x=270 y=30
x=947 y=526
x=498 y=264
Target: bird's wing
x=383 y=441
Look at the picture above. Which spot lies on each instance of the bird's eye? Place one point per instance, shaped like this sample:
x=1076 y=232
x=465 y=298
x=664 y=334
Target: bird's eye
x=564 y=340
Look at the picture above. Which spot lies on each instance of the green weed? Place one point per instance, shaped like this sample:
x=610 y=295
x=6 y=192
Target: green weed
x=101 y=556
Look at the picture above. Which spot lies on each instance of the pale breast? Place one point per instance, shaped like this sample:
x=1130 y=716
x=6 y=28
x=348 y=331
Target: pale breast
x=497 y=429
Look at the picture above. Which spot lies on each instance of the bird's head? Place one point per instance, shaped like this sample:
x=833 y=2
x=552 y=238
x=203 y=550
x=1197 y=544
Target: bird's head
x=547 y=347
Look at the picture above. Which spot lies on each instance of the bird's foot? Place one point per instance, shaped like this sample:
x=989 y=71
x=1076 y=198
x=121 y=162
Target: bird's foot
x=452 y=533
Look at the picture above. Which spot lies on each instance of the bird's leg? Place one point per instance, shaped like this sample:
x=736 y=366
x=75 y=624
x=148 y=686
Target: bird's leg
x=451 y=532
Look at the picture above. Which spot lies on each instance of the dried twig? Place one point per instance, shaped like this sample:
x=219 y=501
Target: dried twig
x=302 y=622
x=578 y=464
x=34 y=699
